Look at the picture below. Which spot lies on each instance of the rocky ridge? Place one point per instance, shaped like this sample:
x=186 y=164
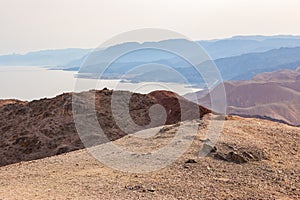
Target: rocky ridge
x=42 y=128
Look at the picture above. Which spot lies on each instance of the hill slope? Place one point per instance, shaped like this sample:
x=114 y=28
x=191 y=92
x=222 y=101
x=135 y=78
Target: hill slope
x=274 y=95
x=41 y=128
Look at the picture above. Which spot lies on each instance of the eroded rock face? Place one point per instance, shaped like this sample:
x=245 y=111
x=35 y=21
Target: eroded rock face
x=238 y=155
x=177 y=107
x=42 y=128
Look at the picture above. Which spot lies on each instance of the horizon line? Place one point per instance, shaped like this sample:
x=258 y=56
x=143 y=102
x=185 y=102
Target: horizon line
x=197 y=40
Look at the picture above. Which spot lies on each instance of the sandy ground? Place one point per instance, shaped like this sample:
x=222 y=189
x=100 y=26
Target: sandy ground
x=78 y=175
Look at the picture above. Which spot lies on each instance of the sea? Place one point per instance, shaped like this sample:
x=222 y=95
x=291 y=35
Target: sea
x=33 y=82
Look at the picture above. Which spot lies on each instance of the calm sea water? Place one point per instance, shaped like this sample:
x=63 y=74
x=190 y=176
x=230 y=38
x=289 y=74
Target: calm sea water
x=28 y=83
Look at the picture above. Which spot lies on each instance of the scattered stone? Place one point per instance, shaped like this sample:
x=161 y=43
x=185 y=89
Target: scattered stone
x=222 y=179
x=192 y=161
x=235 y=157
x=220 y=156
x=151 y=189
x=139 y=188
x=238 y=155
x=136 y=187
x=248 y=155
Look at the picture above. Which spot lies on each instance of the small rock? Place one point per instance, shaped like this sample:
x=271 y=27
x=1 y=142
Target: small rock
x=222 y=179
x=136 y=187
x=191 y=161
x=151 y=189
x=220 y=156
x=248 y=155
x=235 y=157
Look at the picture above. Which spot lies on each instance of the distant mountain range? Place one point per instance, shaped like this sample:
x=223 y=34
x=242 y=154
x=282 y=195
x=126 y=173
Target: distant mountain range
x=239 y=45
x=242 y=67
x=44 y=57
x=237 y=58
x=216 y=49
x=246 y=66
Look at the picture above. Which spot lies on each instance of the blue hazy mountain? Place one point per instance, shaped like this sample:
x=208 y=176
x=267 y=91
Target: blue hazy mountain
x=44 y=58
x=239 y=45
x=241 y=67
x=218 y=48
x=237 y=58
x=246 y=66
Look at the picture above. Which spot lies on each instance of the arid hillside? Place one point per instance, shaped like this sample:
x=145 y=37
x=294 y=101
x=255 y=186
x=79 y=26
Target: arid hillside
x=10 y=101
x=272 y=95
x=281 y=76
x=42 y=128
x=253 y=159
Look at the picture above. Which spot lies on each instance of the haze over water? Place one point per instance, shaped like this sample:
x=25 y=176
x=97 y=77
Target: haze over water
x=31 y=83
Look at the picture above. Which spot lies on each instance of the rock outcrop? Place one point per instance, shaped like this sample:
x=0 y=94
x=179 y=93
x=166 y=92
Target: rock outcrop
x=42 y=128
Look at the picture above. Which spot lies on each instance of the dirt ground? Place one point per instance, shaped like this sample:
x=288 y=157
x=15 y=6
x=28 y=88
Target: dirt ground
x=253 y=159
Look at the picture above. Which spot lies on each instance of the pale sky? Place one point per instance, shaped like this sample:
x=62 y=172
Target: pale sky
x=28 y=25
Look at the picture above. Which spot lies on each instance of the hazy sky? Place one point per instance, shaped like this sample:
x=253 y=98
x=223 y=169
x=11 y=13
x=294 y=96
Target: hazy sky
x=28 y=25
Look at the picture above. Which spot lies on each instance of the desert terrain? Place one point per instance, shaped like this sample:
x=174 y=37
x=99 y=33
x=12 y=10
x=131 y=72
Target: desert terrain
x=272 y=95
x=42 y=128
x=253 y=159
